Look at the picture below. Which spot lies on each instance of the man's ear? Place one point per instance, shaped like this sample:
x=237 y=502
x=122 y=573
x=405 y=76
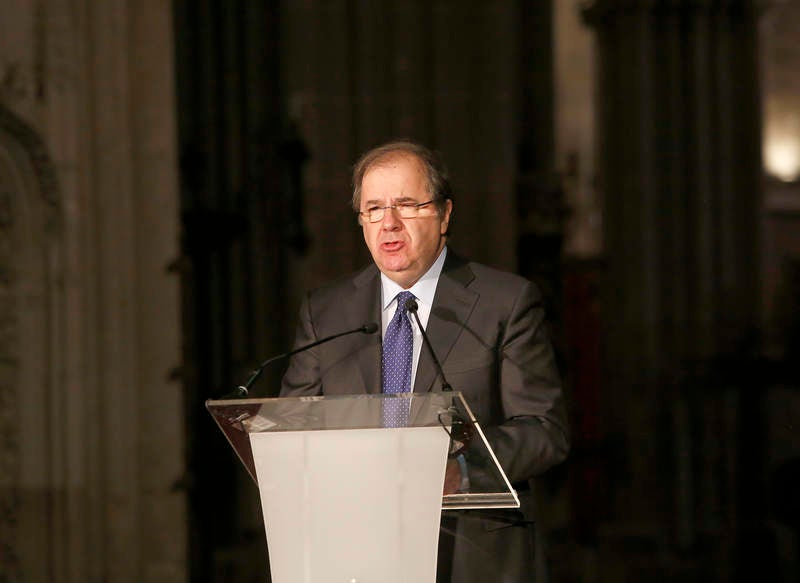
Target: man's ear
x=448 y=210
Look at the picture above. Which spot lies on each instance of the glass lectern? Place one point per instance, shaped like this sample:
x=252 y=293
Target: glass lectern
x=351 y=486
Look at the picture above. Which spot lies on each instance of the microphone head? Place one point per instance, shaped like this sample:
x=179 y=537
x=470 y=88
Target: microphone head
x=369 y=328
x=411 y=305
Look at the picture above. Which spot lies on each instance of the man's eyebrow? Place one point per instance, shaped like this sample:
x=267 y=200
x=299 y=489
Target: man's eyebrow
x=379 y=202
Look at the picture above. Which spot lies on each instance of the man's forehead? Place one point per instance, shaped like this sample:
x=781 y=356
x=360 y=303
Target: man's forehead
x=387 y=163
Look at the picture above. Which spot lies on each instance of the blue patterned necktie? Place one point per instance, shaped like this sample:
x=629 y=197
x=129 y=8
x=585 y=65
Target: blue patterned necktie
x=398 y=343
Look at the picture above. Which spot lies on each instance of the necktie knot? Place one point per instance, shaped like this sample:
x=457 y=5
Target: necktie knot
x=402 y=300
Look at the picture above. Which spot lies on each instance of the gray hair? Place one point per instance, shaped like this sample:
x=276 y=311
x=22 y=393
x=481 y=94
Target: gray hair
x=435 y=172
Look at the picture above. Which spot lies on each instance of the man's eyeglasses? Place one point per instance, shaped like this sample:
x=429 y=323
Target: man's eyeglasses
x=406 y=210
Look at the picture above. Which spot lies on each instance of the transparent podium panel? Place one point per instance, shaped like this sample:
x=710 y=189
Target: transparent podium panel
x=352 y=487
x=485 y=486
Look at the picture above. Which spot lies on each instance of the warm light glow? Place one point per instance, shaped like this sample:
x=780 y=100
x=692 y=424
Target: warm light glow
x=782 y=157
x=782 y=142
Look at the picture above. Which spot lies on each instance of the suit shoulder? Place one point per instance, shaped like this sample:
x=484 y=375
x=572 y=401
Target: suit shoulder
x=344 y=286
x=491 y=278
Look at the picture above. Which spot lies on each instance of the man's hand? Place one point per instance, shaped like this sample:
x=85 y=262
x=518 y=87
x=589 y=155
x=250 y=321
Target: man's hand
x=452 y=477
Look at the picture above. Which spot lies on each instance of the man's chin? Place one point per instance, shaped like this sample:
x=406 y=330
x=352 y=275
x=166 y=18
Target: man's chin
x=400 y=275
x=392 y=263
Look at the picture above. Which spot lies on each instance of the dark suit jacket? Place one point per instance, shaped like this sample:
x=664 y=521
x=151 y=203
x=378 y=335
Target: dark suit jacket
x=487 y=328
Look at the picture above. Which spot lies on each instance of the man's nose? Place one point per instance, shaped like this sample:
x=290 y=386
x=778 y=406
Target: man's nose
x=391 y=219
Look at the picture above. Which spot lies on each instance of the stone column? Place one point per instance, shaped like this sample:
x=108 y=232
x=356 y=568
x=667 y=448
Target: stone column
x=679 y=172
x=89 y=191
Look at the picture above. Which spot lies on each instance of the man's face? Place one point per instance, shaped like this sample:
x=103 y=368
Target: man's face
x=403 y=249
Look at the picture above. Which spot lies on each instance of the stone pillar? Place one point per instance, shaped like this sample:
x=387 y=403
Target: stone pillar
x=679 y=172
x=88 y=176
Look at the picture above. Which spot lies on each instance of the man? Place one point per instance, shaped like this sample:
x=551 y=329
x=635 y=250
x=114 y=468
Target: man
x=486 y=327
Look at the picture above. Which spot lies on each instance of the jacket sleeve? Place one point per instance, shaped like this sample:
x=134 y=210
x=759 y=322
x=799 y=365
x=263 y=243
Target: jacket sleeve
x=533 y=434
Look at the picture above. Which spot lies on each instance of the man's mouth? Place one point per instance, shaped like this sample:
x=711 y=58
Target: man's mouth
x=391 y=245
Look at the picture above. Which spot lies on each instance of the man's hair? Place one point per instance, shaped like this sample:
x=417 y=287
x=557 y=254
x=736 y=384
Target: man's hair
x=435 y=172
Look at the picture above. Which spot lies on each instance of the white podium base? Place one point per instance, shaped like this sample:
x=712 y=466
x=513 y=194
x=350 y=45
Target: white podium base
x=352 y=505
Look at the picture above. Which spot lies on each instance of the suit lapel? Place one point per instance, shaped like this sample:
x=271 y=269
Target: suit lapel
x=452 y=306
x=364 y=307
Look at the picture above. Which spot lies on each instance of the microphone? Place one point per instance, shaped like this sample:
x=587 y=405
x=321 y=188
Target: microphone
x=460 y=431
x=411 y=306
x=242 y=390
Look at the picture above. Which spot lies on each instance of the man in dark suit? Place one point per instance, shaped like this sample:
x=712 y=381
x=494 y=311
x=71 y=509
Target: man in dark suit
x=486 y=327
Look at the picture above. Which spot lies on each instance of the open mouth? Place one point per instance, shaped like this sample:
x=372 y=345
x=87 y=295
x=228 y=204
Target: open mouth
x=392 y=245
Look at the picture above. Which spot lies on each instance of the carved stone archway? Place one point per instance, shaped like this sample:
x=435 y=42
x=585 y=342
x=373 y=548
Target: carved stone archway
x=32 y=475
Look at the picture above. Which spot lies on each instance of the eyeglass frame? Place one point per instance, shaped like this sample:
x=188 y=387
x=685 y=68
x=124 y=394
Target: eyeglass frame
x=400 y=206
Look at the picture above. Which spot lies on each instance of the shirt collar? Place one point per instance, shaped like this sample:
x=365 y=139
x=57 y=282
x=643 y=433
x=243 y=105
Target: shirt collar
x=425 y=288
